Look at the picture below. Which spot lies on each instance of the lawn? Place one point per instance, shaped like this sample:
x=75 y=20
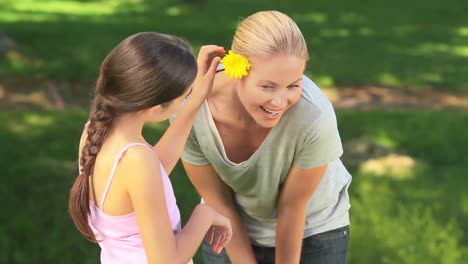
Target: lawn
x=352 y=43
x=416 y=213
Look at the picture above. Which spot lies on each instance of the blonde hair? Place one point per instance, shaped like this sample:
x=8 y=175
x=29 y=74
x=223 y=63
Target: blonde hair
x=269 y=33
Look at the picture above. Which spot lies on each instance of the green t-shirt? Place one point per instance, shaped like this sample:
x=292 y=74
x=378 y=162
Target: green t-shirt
x=306 y=136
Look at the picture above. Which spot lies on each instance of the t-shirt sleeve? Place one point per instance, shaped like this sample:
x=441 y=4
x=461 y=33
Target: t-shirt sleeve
x=322 y=143
x=192 y=151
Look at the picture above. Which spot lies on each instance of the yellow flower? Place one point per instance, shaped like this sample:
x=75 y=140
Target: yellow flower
x=236 y=66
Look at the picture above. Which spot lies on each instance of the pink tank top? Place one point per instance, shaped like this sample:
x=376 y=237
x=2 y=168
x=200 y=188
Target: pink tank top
x=120 y=237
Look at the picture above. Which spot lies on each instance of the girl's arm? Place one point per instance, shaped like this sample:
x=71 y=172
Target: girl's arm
x=172 y=143
x=298 y=188
x=218 y=195
x=146 y=191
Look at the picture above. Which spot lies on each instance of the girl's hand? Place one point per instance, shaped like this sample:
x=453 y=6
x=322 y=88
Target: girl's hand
x=207 y=61
x=219 y=234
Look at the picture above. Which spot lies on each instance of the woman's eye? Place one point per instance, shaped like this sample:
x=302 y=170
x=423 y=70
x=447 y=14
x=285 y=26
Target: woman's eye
x=266 y=86
x=293 y=86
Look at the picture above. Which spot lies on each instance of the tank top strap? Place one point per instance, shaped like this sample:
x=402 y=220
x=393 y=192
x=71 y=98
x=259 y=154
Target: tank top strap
x=114 y=168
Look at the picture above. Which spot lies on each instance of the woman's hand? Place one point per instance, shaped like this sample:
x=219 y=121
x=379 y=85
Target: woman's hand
x=207 y=61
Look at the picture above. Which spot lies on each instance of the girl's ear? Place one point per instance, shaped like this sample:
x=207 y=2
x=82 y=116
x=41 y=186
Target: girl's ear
x=155 y=111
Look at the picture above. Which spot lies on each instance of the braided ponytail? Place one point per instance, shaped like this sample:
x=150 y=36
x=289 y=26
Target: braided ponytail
x=100 y=118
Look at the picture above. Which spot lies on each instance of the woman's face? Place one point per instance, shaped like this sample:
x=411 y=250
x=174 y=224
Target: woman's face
x=273 y=85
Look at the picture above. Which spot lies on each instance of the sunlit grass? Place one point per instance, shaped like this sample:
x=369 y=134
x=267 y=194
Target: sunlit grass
x=314 y=17
x=324 y=81
x=431 y=48
x=75 y=8
x=462 y=31
x=46 y=11
x=389 y=79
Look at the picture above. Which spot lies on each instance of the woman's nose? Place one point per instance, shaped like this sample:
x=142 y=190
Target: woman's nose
x=280 y=100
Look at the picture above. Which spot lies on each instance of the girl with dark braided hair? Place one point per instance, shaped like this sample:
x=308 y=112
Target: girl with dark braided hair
x=123 y=198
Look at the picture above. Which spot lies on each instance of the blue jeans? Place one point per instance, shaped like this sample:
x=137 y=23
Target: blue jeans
x=330 y=247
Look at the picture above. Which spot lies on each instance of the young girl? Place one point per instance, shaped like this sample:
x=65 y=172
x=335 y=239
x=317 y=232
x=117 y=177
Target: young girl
x=123 y=198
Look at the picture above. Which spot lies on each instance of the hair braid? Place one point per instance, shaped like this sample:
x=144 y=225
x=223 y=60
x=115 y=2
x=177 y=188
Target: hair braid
x=101 y=117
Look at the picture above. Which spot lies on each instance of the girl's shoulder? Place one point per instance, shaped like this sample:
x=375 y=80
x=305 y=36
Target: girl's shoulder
x=138 y=155
x=138 y=163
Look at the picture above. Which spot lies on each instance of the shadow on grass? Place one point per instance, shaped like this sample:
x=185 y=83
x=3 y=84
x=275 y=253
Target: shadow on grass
x=398 y=44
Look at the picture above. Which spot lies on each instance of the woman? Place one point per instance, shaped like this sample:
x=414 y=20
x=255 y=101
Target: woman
x=265 y=149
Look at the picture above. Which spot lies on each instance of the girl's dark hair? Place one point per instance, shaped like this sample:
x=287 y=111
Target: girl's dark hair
x=144 y=70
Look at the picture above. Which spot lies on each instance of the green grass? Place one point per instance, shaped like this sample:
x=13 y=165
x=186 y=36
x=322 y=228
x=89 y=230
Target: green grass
x=419 y=218
x=352 y=43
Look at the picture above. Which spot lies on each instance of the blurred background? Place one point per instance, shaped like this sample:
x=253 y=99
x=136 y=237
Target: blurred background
x=396 y=71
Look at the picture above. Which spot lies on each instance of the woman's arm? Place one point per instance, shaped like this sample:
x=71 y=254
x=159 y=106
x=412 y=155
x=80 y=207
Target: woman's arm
x=172 y=143
x=298 y=188
x=219 y=196
x=146 y=191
